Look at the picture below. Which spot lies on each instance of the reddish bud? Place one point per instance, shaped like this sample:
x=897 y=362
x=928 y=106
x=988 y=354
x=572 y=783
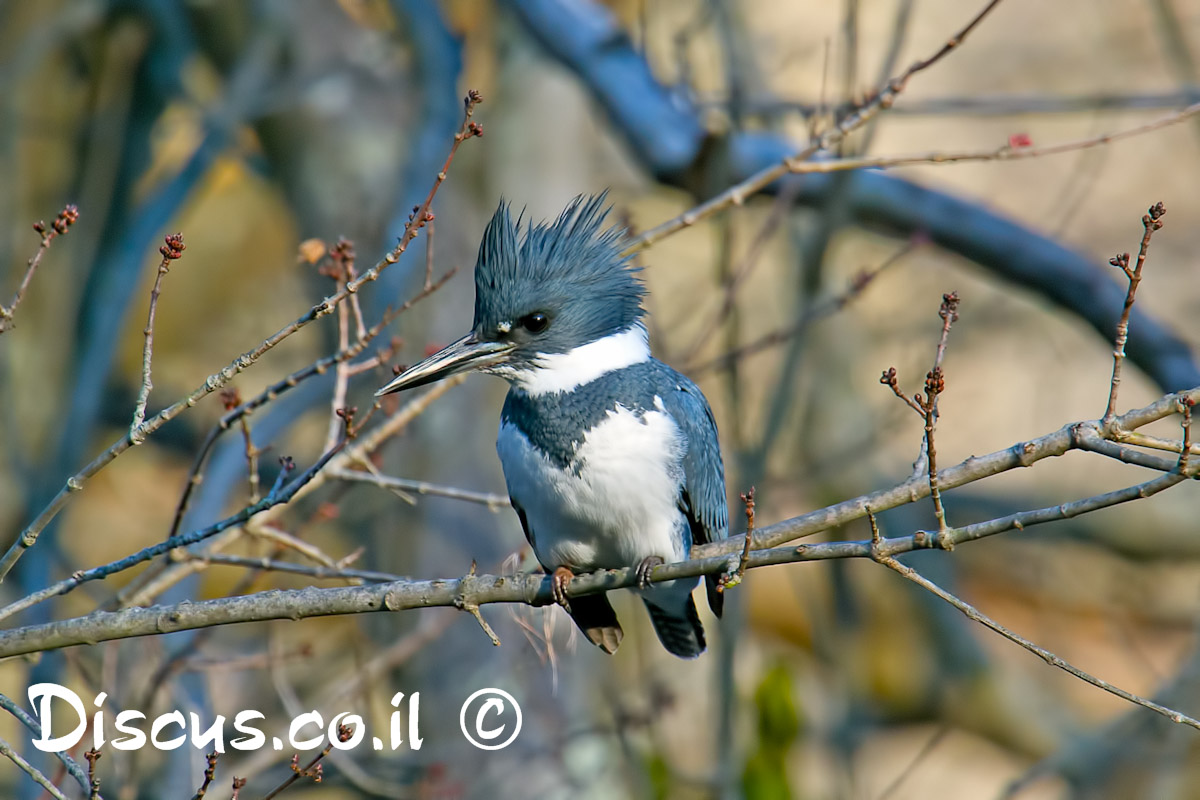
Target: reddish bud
x=173 y=247
x=949 y=309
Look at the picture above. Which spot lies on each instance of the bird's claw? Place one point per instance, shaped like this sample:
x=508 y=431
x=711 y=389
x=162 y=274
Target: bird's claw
x=559 y=580
x=645 y=567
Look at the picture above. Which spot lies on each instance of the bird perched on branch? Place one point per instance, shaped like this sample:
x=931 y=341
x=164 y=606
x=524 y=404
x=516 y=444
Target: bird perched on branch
x=611 y=457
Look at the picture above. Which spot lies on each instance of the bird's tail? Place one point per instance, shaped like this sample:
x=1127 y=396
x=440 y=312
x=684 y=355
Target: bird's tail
x=679 y=631
x=595 y=617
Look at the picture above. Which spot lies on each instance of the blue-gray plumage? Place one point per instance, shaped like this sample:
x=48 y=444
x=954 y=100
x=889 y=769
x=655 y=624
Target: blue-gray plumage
x=611 y=457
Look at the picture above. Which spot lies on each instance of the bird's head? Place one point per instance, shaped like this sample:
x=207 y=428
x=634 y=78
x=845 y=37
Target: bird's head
x=540 y=296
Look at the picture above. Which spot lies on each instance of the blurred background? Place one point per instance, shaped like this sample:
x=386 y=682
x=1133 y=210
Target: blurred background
x=255 y=126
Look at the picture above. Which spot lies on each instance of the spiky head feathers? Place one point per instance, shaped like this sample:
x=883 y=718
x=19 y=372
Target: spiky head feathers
x=560 y=284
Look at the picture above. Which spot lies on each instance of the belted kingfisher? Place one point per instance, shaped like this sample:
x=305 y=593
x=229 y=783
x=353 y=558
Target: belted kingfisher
x=611 y=457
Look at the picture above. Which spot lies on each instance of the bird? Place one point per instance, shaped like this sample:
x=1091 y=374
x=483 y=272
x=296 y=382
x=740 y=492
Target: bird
x=611 y=458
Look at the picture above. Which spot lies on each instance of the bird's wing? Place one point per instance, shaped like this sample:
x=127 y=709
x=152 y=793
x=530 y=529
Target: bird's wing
x=703 y=499
x=524 y=519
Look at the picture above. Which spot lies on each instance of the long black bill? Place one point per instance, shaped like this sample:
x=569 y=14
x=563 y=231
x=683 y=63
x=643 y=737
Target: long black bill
x=468 y=353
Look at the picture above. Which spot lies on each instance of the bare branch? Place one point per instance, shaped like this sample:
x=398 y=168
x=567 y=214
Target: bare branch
x=536 y=589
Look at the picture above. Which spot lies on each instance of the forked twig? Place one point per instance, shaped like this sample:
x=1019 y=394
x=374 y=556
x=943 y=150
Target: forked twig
x=1151 y=222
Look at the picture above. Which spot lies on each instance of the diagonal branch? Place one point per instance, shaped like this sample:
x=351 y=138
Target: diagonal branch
x=1050 y=658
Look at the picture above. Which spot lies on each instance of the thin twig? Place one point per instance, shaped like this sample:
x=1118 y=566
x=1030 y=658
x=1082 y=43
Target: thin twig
x=1050 y=658
x=728 y=581
x=492 y=501
x=428 y=256
x=62 y=223
x=342 y=256
x=1185 y=444
x=285 y=541
x=997 y=104
x=209 y=774
x=93 y=756
x=279 y=495
x=892 y=381
x=926 y=406
x=171 y=250
x=811 y=314
x=938 y=737
x=1151 y=222
x=312 y=571
x=883 y=98
x=319 y=367
x=75 y=483
x=72 y=766
x=464 y=585
x=739 y=275
x=935 y=384
x=1006 y=152
x=360 y=326
x=356 y=453
x=9 y=752
x=310 y=770
x=1140 y=439
x=251 y=458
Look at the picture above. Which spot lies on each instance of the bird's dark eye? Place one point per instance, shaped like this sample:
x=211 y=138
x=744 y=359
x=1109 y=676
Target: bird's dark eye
x=535 y=322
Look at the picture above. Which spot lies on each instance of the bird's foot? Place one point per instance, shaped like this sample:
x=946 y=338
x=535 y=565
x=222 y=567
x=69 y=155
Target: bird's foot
x=645 y=567
x=559 y=580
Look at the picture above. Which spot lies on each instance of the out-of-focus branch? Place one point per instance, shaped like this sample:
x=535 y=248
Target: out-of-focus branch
x=60 y=226
x=71 y=765
x=12 y=755
x=75 y=483
x=318 y=367
x=280 y=494
x=153 y=582
x=813 y=313
x=883 y=98
x=492 y=501
x=1006 y=152
x=665 y=132
x=986 y=105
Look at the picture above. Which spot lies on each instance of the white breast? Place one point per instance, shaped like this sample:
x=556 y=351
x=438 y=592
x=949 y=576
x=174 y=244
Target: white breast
x=615 y=505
